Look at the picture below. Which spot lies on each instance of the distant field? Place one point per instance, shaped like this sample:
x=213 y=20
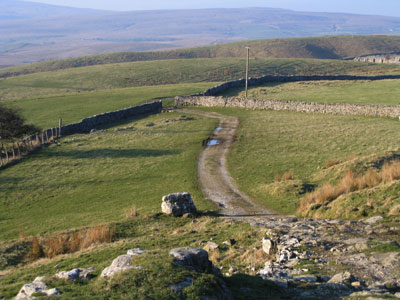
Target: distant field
x=93 y=179
x=356 y=92
x=105 y=77
x=271 y=143
x=328 y=47
x=45 y=112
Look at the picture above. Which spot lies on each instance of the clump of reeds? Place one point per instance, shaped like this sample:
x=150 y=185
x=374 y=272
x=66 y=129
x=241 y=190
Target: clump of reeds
x=350 y=182
x=285 y=177
x=70 y=242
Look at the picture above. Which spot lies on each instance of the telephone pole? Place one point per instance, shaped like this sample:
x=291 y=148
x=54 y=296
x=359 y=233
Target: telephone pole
x=247 y=69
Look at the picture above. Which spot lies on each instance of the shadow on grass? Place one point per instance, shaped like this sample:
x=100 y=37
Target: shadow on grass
x=111 y=153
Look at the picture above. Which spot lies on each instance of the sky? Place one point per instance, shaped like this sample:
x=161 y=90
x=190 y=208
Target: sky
x=370 y=7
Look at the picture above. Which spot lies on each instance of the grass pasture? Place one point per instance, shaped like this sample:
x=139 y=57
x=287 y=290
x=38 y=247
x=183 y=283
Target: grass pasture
x=93 y=179
x=271 y=143
x=122 y=75
x=355 y=92
x=46 y=111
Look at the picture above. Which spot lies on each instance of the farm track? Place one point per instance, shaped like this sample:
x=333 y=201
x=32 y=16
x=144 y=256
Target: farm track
x=215 y=181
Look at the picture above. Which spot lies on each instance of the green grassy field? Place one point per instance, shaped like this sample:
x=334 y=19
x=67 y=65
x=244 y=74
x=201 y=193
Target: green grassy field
x=270 y=143
x=92 y=179
x=356 y=92
x=328 y=47
x=105 y=77
x=45 y=112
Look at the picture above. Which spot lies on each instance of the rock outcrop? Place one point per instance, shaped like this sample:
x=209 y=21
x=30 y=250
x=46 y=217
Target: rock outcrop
x=74 y=274
x=37 y=286
x=122 y=263
x=194 y=258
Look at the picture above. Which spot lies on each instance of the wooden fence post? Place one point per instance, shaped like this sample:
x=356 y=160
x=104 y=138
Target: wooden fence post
x=47 y=136
x=6 y=154
x=19 y=150
x=59 y=127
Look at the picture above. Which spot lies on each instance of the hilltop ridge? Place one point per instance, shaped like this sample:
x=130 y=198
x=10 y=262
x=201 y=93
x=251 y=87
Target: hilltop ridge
x=328 y=47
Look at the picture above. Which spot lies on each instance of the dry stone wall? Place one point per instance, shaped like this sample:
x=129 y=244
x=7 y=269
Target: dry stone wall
x=307 y=107
x=217 y=90
x=87 y=124
x=380 y=58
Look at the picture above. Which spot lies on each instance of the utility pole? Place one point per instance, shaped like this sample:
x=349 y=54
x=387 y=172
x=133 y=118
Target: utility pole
x=247 y=69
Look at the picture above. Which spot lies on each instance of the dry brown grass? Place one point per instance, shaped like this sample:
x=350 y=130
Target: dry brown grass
x=36 y=251
x=285 y=177
x=331 y=163
x=70 y=242
x=390 y=171
x=351 y=182
x=131 y=212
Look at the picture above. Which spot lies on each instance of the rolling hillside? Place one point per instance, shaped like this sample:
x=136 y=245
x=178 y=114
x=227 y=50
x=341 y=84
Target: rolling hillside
x=334 y=47
x=56 y=32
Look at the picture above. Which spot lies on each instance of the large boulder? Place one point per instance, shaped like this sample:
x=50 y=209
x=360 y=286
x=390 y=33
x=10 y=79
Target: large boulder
x=178 y=204
x=37 y=286
x=194 y=258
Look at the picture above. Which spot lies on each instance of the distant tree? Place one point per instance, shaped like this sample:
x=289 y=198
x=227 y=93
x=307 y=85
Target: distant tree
x=12 y=124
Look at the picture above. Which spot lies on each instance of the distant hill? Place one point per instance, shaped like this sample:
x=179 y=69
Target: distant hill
x=57 y=32
x=330 y=47
x=22 y=10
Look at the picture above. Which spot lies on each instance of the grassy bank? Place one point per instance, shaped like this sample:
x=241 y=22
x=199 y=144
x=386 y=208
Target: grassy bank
x=94 y=179
x=355 y=92
x=156 y=234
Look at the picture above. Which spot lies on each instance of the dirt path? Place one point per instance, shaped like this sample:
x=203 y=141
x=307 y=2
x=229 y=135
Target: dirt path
x=215 y=181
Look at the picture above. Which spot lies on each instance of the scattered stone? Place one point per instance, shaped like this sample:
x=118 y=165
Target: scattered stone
x=343 y=278
x=120 y=264
x=232 y=270
x=195 y=258
x=135 y=252
x=356 y=284
x=325 y=278
x=178 y=204
x=229 y=242
x=211 y=246
x=374 y=220
x=276 y=274
x=269 y=246
x=151 y=124
x=69 y=275
x=75 y=274
x=179 y=287
x=93 y=131
x=37 y=286
x=306 y=278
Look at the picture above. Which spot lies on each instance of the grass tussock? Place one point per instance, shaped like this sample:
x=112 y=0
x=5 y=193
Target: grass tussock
x=285 y=177
x=331 y=163
x=70 y=243
x=131 y=212
x=351 y=182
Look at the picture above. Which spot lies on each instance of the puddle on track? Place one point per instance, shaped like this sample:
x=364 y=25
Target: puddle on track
x=218 y=129
x=213 y=142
